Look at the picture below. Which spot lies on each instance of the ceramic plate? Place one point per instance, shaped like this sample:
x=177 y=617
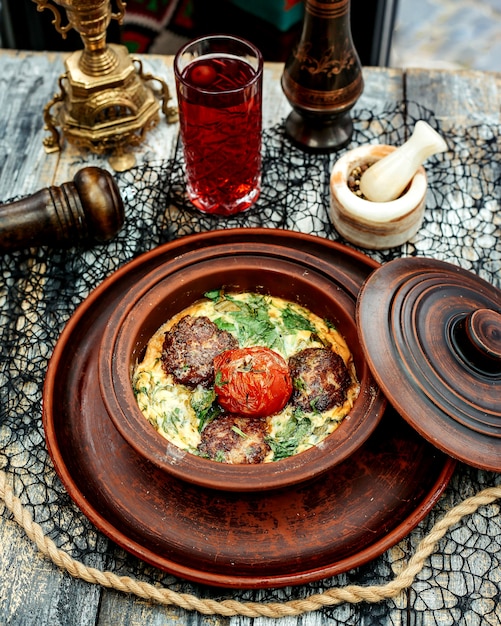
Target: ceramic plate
x=325 y=527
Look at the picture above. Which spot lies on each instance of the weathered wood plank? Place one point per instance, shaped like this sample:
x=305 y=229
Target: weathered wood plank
x=27 y=82
x=33 y=592
x=382 y=87
x=459 y=98
x=136 y=612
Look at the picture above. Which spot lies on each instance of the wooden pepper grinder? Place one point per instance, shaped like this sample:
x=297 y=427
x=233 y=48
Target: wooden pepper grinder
x=322 y=78
x=89 y=209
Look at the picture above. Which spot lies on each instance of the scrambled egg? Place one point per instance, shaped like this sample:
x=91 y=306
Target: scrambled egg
x=179 y=413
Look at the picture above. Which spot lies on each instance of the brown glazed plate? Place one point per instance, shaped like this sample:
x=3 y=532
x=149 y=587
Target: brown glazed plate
x=342 y=519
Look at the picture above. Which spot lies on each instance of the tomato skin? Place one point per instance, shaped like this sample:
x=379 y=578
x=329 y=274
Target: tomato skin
x=253 y=382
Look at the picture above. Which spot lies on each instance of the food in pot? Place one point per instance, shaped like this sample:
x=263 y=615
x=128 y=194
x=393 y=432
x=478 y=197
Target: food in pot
x=255 y=381
x=322 y=379
x=235 y=439
x=190 y=347
x=246 y=378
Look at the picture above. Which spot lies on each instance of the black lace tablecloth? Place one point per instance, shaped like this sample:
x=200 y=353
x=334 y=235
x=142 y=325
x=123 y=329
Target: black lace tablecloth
x=39 y=290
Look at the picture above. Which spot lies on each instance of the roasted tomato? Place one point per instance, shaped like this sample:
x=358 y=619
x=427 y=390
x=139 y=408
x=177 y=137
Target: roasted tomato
x=253 y=382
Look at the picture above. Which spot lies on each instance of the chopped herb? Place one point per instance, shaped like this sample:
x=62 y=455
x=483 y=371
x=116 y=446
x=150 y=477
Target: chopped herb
x=239 y=432
x=293 y=320
x=321 y=340
x=170 y=420
x=203 y=402
x=223 y=324
x=299 y=384
x=313 y=405
x=140 y=390
x=218 y=379
x=330 y=325
x=220 y=456
x=215 y=295
x=288 y=438
x=252 y=322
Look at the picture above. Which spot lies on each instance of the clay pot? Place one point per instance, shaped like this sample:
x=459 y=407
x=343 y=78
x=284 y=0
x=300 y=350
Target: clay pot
x=374 y=225
x=169 y=289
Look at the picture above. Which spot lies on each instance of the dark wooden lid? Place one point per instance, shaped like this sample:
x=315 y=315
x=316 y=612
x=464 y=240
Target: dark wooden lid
x=431 y=332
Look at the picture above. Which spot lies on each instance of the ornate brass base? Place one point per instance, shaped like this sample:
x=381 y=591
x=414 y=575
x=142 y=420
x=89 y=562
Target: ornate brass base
x=109 y=112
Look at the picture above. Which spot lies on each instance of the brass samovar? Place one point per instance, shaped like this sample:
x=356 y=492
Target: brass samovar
x=106 y=102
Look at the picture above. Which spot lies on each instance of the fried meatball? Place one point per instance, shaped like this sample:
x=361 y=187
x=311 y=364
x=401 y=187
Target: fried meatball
x=189 y=348
x=235 y=439
x=320 y=379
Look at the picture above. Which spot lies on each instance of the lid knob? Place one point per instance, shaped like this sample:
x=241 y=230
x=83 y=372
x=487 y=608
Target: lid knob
x=476 y=338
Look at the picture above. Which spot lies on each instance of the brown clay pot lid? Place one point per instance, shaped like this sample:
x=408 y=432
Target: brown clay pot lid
x=431 y=332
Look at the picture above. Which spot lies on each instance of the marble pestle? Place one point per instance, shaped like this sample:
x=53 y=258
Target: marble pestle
x=385 y=180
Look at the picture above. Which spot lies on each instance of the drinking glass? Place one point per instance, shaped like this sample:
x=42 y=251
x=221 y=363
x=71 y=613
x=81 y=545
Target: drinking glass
x=219 y=90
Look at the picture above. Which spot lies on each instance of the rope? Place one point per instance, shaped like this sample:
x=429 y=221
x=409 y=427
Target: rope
x=228 y=608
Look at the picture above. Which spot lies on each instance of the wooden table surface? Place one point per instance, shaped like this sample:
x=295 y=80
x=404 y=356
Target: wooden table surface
x=33 y=590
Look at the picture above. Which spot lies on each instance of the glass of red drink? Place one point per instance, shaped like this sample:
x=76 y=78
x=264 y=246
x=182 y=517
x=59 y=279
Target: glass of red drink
x=219 y=90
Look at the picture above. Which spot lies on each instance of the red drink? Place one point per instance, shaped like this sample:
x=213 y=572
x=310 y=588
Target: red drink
x=219 y=97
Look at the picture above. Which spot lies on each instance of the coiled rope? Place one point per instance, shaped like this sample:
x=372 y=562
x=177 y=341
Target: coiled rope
x=350 y=594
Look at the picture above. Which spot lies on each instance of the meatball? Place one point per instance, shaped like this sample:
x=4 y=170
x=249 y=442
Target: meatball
x=320 y=379
x=189 y=348
x=234 y=439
